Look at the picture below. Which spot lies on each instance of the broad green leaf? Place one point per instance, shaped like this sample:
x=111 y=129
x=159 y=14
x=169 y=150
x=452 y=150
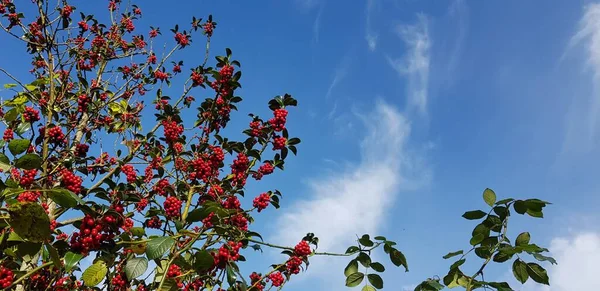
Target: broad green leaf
x=136 y=267
x=475 y=214
x=457 y=264
x=520 y=207
x=366 y=241
x=94 y=274
x=523 y=239
x=157 y=247
x=11 y=115
x=138 y=231
x=71 y=260
x=65 y=198
x=351 y=268
x=520 y=271
x=54 y=255
x=541 y=257
x=368 y=288
x=489 y=196
x=8 y=86
x=354 y=279
x=453 y=254
x=30 y=221
x=18 y=146
x=28 y=249
x=500 y=286
x=375 y=280
x=4 y=162
x=377 y=267
x=476 y=239
x=398 y=259
x=537 y=273
x=364 y=259
x=29 y=162
x=203 y=261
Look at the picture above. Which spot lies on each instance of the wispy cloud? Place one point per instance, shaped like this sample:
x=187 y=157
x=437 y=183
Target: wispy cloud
x=415 y=64
x=354 y=199
x=317 y=26
x=339 y=74
x=370 y=35
x=308 y=4
x=588 y=35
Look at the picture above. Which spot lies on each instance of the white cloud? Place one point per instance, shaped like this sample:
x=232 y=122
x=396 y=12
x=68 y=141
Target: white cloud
x=340 y=73
x=577 y=267
x=370 y=35
x=354 y=199
x=415 y=64
x=317 y=25
x=583 y=120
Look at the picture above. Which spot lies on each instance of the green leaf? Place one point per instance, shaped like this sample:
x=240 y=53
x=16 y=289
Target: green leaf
x=354 y=279
x=30 y=221
x=71 y=259
x=475 y=214
x=500 y=286
x=457 y=264
x=537 y=273
x=8 y=86
x=364 y=259
x=377 y=267
x=11 y=115
x=29 y=162
x=136 y=267
x=157 y=247
x=368 y=288
x=489 y=196
x=65 y=198
x=18 y=146
x=476 y=239
x=520 y=271
x=351 y=268
x=54 y=255
x=4 y=162
x=541 y=258
x=398 y=259
x=523 y=239
x=520 y=206
x=138 y=231
x=203 y=261
x=375 y=280
x=94 y=274
x=366 y=241
x=453 y=254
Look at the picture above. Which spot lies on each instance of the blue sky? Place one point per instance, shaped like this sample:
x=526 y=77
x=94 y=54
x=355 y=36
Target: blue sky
x=408 y=110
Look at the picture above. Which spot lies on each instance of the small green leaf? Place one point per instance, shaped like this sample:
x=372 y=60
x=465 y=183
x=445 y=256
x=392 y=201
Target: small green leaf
x=541 y=258
x=453 y=254
x=398 y=258
x=94 y=274
x=351 y=268
x=8 y=86
x=523 y=239
x=71 y=260
x=65 y=198
x=520 y=271
x=377 y=267
x=203 y=261
x=136 y=267
x=18 y=146
x=375 y=280
x=520 y=207
x=29 y=221
x=489 y=196
x=157 y=247
x=364 y=259
x=368 y=288
x=476 y=239
x=537 y=273
x=475 y=214
x=54 y=255
x=11 y=115
x=366 y=241
x=354 y=279
x=29 y=162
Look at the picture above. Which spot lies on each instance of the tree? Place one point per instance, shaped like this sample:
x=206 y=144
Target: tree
x=169 y=192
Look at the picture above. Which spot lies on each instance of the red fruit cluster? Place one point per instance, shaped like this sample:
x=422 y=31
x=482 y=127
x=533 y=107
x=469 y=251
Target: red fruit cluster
x=130 y=172
x=195 y=285
x=232 y=202
x=29 y=196
x=140 y=206
x=293 y=265
x=265 y=169
x=161 y=187
x=8 y=134
x=182 y=39
x=197 y=79
x=207 y=222
x=56 y=135
x=208 y=28
x=239 y=220
x=161 y=75
x=92 y=233
x=71 y=181
x=279 y=119
x=154 y=222
x=81 y=150
x=174 y=271
x=82 y=102
x=119 y=282
x=66 y=11
x=172 y=130
x=302 y=249
x=256 y=128
x=6 y=277
x=276 y=279
x=279 y=142
x=261 y=201
x=31 y=115
x=66 y=284
x=227 y=252
x=255 y=280
x=28 y=177
x=239 y=167
x=172 y=207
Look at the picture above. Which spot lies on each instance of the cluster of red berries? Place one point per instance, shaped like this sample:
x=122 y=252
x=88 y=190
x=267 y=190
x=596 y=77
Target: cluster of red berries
x=28 y=177
x=127 y=23
x=239 y=220
x=207 y=222
x=174 y=271
x=279 y=119
x=232 y=202
x=161 y=75
x=265 y=169
x=227 y=252
x=119 y=282
x=279 y=142
x=261 y=201
x=81 y=150
x=66 y=284
x=161 y=187
x=256 y=281
x=82 y=102
x=153 y=33
x=256 y=128
x=56 y=135
x=140 y=206
x=302 y=249
x=40 y=280
x=197 y=79
x=6 y=277
x=172 y=207
x=8 y=134
x=130 y=172
x=92 y=233
x=276 y=279
x=182 y=39
x=66 y=11
x=239 y=167
x=31 y=115
x=208 y=28
x=29 y=196
x=172 y=130
x=154 y=222
x=71 y=181
x=293 y=265
x=195 y=285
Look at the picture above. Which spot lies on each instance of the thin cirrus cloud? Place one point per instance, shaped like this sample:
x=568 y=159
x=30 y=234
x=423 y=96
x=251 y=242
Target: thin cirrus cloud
x=354 y=199
x=415 y=63
x=370 y=35
x=583 y=121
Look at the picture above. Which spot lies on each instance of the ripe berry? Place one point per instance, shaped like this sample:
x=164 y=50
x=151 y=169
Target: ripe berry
x=276 y=279
x=172 y=207
x=8 y=134
x=130 y=172
x=279 y=119
x=279 y=142
x=261 y=201
x=302 y=249
x=6 y=277
x=31 y=115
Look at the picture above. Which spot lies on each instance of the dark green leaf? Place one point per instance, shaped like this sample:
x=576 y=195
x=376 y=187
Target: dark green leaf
x=377 y=267
x=71 y=260
x=203 y=261
x=520 y=207
x=537 y=273
x=354 y=279
x=541 y=258
x=500 y=286
x=351 y=268
x=457 y=264
x=364 y=259
x=453 y=254
x=157 y=247
x=366 y=241
x=523 y=239
x=136 y=267
x=54 y=255
x=475 y=214
x=375 y=280
x=65 y=198
x=29 y=221
x=476 y=239
x=368 y=288
x=4 y=162
x=489 y=197
x=18 y=146
x=28 y=162
x=520 y=271
x=398 y=259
